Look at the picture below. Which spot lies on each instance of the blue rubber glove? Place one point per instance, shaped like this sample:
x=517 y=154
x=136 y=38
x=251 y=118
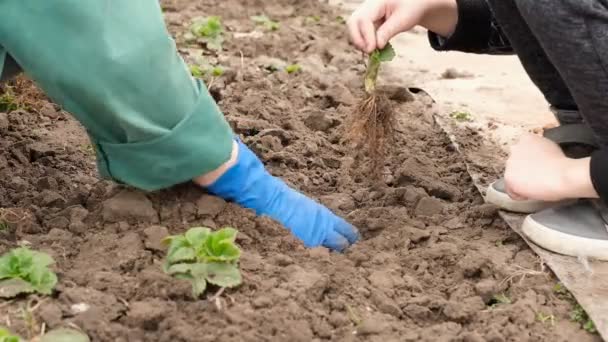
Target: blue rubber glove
x=251 y=186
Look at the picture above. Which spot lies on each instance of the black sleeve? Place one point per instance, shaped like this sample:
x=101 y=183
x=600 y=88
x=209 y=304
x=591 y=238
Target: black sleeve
x=476 y=31
x=599 y=173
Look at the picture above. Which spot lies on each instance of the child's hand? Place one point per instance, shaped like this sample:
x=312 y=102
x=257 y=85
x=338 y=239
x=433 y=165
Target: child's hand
x=375 y=22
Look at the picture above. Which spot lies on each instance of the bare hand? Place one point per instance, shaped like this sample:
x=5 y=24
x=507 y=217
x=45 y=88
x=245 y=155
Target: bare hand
x=376 y=22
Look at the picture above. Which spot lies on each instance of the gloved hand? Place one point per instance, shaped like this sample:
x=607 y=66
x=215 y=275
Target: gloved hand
x=248 y=184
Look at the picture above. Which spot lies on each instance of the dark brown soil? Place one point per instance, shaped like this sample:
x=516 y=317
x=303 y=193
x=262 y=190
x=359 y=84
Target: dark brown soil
x=433 y=256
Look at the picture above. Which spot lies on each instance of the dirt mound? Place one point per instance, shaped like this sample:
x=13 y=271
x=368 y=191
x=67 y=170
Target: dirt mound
x=435 y=264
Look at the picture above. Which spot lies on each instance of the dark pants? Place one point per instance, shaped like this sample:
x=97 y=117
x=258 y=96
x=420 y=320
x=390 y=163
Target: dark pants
x=563 y=46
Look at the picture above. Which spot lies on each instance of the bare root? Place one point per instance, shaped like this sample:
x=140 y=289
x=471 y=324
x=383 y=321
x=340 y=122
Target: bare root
x=372 y=129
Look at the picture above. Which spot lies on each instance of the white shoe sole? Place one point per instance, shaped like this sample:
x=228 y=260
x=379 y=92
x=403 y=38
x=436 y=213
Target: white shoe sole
x=565 y=244
x=504 y=202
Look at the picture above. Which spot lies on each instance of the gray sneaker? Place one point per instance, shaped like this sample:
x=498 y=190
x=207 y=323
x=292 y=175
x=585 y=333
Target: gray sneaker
x=578 y=229
x=497 y=195
x=577 y=141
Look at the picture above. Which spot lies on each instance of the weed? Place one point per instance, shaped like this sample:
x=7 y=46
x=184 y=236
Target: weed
x=8 y=102
x=462 y=116
x=544 y=318
x=500 y=299
x=25 y=271
x=580 y=316
x=209 y=30
x=373 y=122
x=266 y=22
x=340 y=20
x=203 y=256
x=293 y=68
x=312 y=20
x=4 y=227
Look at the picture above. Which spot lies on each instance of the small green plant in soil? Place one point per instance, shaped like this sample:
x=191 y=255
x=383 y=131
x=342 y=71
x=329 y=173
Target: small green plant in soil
x=462 y=116
x=24 y=271
x=373 y=122
x=266 y=22
x=500 y=299
x=580 y=316
x=293 y=68
x=8 y=102
x=209 y=30
x=6 y=336
x=203 y=256
x=312 y=20
x=545 y=318
x=206 y=71
x=340 y=20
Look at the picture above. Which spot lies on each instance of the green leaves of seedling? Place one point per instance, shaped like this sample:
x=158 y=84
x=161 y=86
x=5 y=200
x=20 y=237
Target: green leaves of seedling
x=206 y=70
x=266 y=22
x=25 y=271
x=293 y=68
x=203 y=256
x=6 y=336
x=210 y=30
x=376 y=58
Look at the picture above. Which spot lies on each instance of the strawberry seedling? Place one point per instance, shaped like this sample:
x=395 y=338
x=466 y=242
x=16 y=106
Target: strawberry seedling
x=24 y=271
x=266 y=22
x=202 y=256
x=210 y=31
x=373 y=122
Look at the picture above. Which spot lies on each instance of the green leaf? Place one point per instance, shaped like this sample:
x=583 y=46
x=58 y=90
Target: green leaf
x=196 y=71
x=210 y=30
x=14 y=287
x=268 y=23
x=179 y=269
x=181 y=255
x=64 y=335
x=26 y=271
x=221 y=247
x=6 y=336
x=43 y=280
x=223 y=275
x=199 y=279
x=387 y=54
x=293 y=68
x=197 y=236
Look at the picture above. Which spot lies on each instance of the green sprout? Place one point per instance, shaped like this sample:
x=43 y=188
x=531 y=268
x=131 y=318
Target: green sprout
x=210 y=30
x=25 y=271
x=312 y=20
x=462 y=116
x=6 y=336
x=293 y=68
x=266 y=22
x=202 y=256
x=500 y=299
x=206 y=70
x=580 y=316
x=373 y=66
x=340 y=20
x=544 y=318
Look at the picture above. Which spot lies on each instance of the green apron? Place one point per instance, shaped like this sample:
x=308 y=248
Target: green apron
x=113 y=65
